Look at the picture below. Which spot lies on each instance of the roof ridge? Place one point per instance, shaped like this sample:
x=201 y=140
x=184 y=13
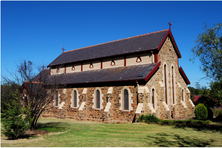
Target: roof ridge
x=116 y=40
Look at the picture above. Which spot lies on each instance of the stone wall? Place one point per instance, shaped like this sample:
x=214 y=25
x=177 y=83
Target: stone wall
x=88 y=113
x=163 y=109
x=140 y=96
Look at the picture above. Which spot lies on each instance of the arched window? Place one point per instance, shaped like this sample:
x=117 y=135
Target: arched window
x=182 y=95
x=75 y=99
x=165 y=83
x=126 y=99
x=25 y=101
x=153 y=98
x=57 y=98
x=173 y=85
x=97 y=98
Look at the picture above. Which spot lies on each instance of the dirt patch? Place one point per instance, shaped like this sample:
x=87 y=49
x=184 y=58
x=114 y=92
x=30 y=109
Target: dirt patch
x=36 y=132
x=30 y=133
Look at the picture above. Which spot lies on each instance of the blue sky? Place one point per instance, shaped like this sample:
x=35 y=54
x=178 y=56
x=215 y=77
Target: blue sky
x=37 y=31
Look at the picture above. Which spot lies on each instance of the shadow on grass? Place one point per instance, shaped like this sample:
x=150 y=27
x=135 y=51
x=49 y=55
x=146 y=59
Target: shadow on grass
x=200 y=126
x=175 y=140
x=51 y=126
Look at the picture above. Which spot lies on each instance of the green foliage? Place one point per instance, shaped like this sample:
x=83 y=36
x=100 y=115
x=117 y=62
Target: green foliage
x=14 y=121
x=201 y=112
x=7 y=91
x=217 y=111
x=148 y=119
x=216 y=92
x=209 y=51
x=207 y=101
x=140 y=119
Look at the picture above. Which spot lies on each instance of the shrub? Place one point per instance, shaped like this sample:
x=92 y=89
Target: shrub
x=166 y=122
x=148 y=119
x=201 y=112
x=14 y=124
x=216 y=111
x=151 y=119
x=141 y=118
x=210 y=114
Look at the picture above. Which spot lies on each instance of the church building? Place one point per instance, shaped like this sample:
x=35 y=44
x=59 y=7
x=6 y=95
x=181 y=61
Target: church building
x=120 y=80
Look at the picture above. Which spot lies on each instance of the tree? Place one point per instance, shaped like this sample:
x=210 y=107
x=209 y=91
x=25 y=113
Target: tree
x=35 y=90
x=14 y=124
x=216 y=92
x=7 y=91
x=208 y=49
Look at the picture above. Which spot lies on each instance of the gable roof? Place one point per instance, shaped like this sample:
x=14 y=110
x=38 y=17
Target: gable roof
x=146 y=42
x=127 y=73
x=41 y=76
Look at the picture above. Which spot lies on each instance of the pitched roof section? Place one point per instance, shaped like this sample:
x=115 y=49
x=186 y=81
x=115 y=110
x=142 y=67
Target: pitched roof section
x=128 y=73
x=121 y=47
x=41 y=76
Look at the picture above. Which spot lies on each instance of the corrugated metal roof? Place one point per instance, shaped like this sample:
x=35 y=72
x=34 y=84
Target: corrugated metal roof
x=135 y=44
x=126 y=73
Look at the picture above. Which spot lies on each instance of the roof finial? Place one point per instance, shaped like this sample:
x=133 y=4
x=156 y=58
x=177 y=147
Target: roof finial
x=43 y=67
x=63 y=49
x=170 y=25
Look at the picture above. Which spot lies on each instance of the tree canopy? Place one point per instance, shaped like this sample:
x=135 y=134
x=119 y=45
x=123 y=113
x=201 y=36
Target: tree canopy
x=208 y=49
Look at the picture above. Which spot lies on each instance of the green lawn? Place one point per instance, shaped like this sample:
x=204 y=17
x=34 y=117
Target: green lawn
x=92 y=134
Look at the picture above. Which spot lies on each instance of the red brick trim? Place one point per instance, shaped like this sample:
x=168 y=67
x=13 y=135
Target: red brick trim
x=81 y=66
x=101 y=64
x=184 y=76
x=152 y=72
x=156 y=58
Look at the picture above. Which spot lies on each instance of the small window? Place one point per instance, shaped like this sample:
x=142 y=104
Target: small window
x=57 y=98
x=153 y=98
x=126 y=99
x=97 y=98
x=138 y=60
x=73 y=68
x=57 y=69
x=182 y=95
x=25 y=101
x=75 y=99
x=91 y=65
x=113 y=63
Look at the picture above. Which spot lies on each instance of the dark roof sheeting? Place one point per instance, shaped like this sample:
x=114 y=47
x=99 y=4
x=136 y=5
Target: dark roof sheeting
x=127 y=73
x=43 y=75
x=135 y=44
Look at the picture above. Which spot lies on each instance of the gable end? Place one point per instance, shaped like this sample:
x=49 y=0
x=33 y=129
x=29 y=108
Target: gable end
x=169 y=33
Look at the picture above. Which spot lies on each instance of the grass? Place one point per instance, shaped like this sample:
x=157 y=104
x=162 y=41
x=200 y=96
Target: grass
x=93 y=134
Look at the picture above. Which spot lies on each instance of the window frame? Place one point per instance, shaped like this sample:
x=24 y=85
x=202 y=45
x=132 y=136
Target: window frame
x=122 y=102
x=98 y=98
x=165 y=83
x=153 y=97
x=56 y=98
x=95 y=99
x=72 y=100
x=126 y=105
